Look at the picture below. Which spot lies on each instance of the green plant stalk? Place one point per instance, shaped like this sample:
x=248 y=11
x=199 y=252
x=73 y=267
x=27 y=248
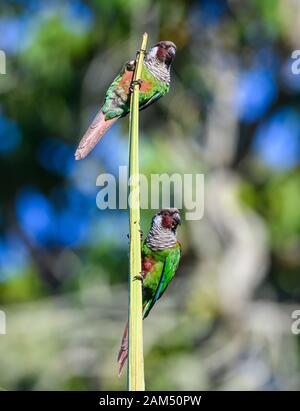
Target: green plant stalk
x=136 y=381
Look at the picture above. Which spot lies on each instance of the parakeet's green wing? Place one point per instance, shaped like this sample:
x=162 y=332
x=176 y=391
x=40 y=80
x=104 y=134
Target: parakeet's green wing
x=116 y=103
x=168 y=272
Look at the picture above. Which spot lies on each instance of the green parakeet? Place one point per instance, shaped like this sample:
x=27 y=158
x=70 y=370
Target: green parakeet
x=160 y=258
x=155 y=83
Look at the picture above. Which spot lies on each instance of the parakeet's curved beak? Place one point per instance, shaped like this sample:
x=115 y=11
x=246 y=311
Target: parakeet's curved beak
x=176 y=219
x=172 y=52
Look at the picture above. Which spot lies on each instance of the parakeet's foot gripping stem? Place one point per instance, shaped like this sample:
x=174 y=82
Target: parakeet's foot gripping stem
x=133 y=83
x=139 y=277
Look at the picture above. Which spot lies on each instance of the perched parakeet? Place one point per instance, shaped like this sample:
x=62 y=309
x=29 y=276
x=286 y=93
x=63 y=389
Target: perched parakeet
x=160 y=258
x=155 y=83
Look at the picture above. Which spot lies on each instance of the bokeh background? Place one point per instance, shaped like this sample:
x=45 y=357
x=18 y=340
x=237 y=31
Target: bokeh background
x=233 y=113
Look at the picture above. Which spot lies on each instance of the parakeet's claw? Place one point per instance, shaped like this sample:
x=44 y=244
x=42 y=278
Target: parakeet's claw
x=139 y=277
x=133 y=83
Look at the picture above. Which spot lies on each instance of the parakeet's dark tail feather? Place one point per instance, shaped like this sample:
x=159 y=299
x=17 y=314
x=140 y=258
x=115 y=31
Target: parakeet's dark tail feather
x=93 y=134
x=123 y=353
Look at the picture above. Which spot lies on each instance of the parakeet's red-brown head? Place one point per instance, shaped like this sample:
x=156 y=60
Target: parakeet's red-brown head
x=164 y=51
x=168 y=218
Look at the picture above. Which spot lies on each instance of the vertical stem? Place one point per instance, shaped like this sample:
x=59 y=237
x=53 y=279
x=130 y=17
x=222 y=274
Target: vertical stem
x=135 y=343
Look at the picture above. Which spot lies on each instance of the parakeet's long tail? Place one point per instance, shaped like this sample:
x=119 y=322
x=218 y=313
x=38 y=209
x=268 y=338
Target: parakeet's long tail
x=93 y=134
x=123 y=353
